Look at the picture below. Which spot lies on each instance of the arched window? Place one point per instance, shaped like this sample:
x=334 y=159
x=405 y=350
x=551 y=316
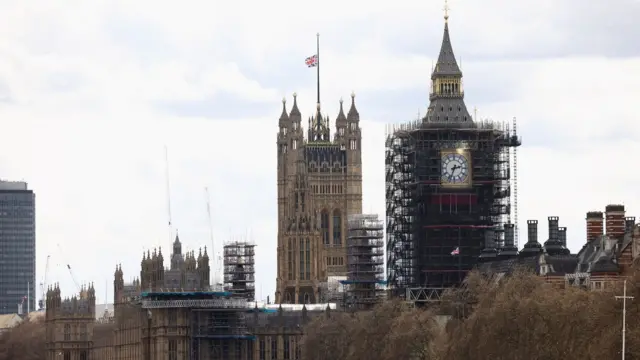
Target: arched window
x=67 y=332
x=306 y=298
x=324 y=226
x=337 y=228
x=287 y=298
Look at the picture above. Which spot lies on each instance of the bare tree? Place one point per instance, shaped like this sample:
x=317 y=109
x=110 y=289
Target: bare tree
x=514 y=317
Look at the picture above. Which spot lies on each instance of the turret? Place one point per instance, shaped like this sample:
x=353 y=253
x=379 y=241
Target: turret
x=295 y=138
x=341 y=128
x=204 y=270
x=353 y=134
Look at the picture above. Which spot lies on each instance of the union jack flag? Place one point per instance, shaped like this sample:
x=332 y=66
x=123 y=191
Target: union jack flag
x=311 y=61
x=456 y=251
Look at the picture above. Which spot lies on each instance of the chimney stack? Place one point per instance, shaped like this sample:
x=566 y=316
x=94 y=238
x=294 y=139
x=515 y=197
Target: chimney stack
x=553 y=228
x=509 y=250
x=509 y=235
x=532 y=231
x=489 y=252
x=562 y=236
x=532 y=247
x=595 y=225
x=629 y=224
x=614 y=215
x=489 y=239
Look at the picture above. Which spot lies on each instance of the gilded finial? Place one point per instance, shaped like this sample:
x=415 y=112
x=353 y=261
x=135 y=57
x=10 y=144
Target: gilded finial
x=446 y=10
x=294 y=95
x=353 y=94
x=284 y=100
x=318 y=106
x=341 y=101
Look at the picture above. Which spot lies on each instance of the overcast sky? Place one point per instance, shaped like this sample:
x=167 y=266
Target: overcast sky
x=92 y=91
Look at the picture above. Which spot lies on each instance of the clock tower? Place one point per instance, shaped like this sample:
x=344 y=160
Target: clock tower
x=448 y=182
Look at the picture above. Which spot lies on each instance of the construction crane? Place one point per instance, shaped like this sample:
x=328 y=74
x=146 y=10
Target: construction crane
x=70 y=271
x=217 y=272
x=43 y=286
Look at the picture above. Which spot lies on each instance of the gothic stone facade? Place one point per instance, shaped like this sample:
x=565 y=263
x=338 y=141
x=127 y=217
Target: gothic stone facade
x=167 y=333
x=319 y=185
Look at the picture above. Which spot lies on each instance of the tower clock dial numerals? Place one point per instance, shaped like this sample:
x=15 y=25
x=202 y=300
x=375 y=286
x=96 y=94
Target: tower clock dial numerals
x=455 y=169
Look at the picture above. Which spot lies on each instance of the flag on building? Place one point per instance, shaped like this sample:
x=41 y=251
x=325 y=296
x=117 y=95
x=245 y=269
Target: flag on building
x=456 y=251
x=311 y=61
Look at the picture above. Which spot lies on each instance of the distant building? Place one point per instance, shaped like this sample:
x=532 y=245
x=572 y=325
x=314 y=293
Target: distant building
x=603 y=260
x=171 y=314
x=17 y=247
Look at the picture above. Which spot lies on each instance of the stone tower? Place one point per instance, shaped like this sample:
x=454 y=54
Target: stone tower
x=319 y=185
x=69 y=324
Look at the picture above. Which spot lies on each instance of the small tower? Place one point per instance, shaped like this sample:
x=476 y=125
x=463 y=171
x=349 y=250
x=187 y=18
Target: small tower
x=341 y=128
x=204 y=270
x=354 y=136
x=69 y=324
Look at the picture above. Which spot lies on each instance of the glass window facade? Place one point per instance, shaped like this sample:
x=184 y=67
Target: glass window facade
x=17 y=250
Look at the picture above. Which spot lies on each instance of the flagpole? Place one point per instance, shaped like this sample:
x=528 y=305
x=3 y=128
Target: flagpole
x=318 y=65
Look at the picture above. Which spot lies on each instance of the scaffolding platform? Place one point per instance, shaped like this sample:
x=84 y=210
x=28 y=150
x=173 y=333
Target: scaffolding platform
x=239 y=269
x=220 y=334
x=436 y=231
x=365 y=261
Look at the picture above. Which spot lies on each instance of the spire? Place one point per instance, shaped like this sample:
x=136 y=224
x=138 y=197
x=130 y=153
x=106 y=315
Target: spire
x=294 y=110
x=341 y=112
x=353 y=112
x=177 y=245
x=446 y=95
x=447 y=64
x=341 y=121
x=319 y=129
x=284 y=117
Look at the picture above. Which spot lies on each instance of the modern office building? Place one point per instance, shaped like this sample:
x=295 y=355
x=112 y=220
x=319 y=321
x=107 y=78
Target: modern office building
x=17 y=247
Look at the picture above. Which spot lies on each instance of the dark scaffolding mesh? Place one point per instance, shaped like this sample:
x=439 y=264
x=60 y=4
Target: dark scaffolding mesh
x=427 y=224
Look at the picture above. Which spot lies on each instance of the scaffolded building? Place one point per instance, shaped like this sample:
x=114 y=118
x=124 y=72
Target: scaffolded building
x=365 y=261
x=239 y=268
x=218 y=327
x=448 y=179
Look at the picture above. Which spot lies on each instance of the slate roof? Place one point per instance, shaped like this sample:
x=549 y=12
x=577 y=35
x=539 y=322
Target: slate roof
x=600 y=254
x=558 y=264
x=561 y=264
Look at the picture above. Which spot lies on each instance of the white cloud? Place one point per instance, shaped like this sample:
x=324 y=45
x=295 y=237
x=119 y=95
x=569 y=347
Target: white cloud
x=83 y=126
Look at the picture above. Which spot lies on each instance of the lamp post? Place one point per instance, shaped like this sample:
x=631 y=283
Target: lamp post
x=624 y=298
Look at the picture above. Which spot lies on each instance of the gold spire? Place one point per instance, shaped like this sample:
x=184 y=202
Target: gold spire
x=284 y=100
x=446 y=10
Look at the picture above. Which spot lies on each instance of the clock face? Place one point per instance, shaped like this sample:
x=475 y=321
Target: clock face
x=455 y=169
